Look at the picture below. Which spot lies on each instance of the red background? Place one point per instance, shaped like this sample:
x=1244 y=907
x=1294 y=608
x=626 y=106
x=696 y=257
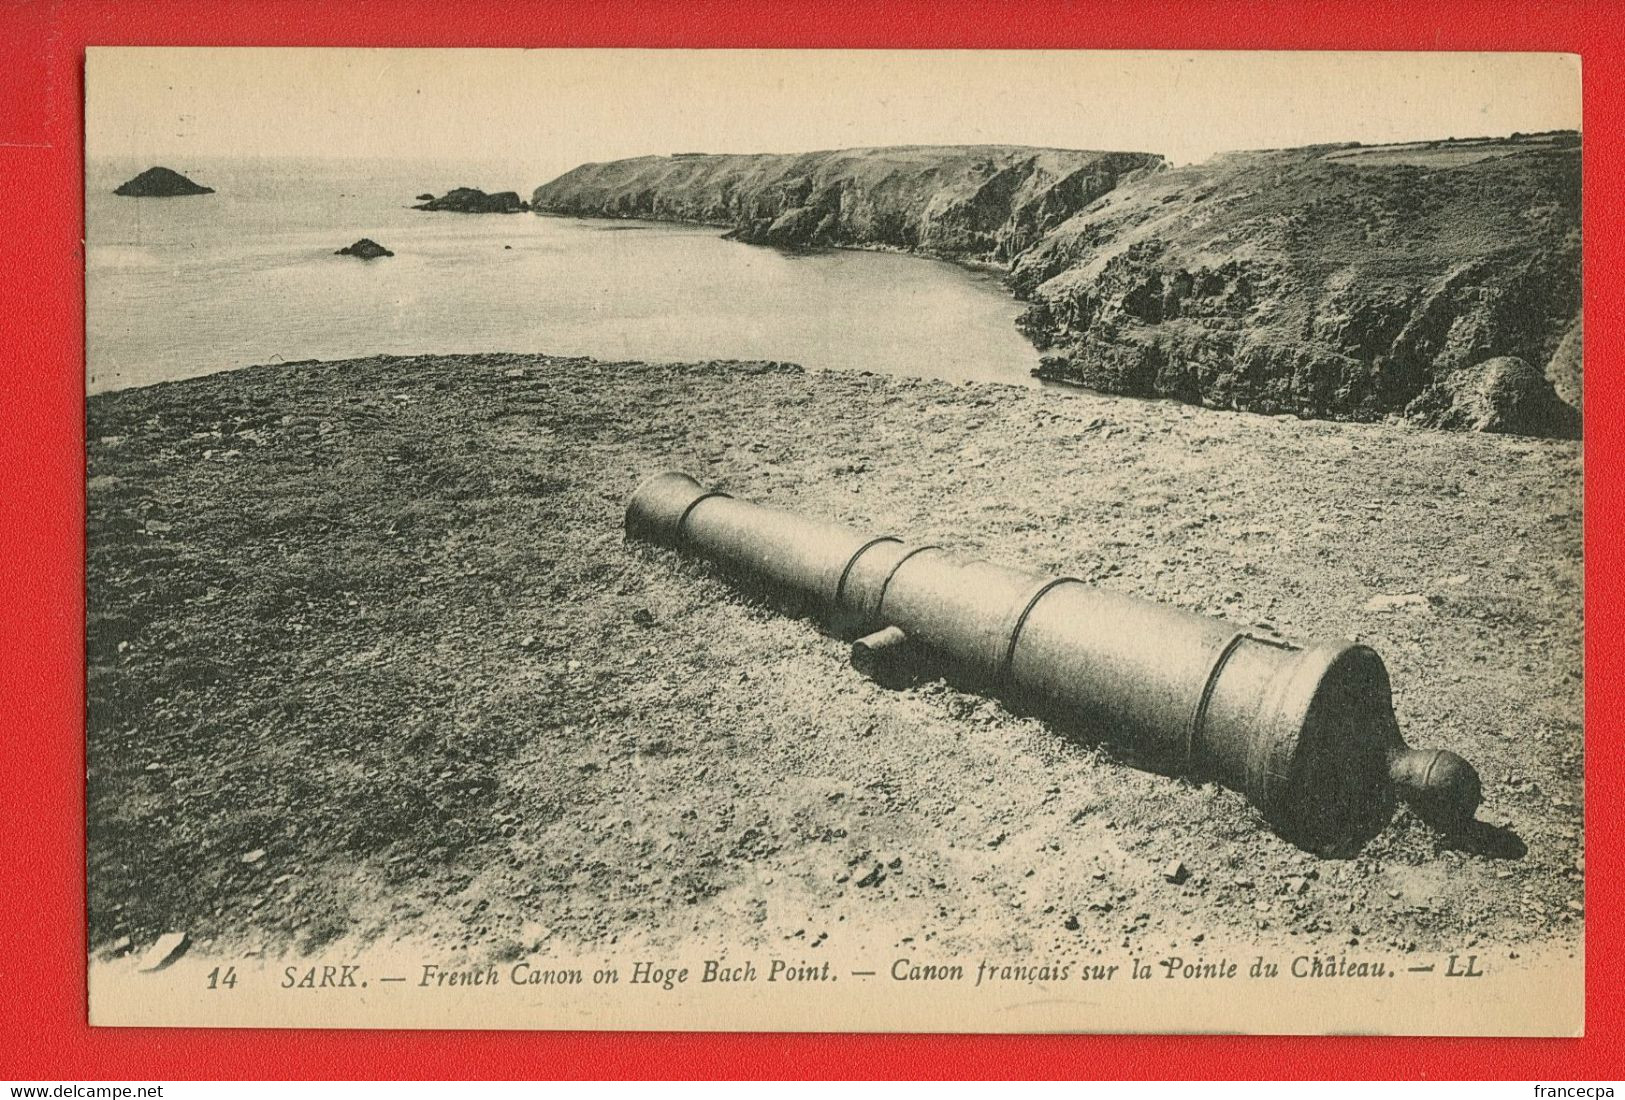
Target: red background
x=42 y=930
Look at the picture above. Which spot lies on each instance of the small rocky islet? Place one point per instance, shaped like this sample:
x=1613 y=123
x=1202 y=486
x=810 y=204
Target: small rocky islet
x=160 y=183
x=471 y=200
x=366 y=248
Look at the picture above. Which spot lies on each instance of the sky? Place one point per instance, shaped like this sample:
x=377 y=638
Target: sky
x=550 y=110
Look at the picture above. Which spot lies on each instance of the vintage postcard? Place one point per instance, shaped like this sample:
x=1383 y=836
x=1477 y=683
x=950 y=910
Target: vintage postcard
x=867 y=541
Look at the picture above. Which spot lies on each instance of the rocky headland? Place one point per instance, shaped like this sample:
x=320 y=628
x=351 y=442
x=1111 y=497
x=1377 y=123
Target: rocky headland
x=160 y=183
x=1435 y=281
x=1439 y=281
x=471 y=200
x=975 y=202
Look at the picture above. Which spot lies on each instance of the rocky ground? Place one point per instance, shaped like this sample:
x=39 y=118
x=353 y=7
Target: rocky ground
x=369 y=656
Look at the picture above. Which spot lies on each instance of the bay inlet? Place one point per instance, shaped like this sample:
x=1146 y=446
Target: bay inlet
x=189 y=286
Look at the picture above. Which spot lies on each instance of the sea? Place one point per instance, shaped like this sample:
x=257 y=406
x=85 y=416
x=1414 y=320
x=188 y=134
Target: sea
x=178 y=287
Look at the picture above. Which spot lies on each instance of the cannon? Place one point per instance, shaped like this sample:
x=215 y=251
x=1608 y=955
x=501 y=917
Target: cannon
x=1306 y=732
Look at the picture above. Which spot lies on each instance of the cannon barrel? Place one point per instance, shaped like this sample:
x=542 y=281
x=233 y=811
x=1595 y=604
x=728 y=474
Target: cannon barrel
x=1307 y=733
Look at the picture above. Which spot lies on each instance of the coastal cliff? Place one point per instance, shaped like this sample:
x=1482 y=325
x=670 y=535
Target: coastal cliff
x=976 y=202
x=1438 y=281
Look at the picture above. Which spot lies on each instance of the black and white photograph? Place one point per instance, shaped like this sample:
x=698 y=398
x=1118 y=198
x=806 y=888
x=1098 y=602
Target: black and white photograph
x=936 y=541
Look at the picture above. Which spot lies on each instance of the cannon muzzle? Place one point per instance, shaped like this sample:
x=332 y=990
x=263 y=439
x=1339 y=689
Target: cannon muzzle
x=1307 y=733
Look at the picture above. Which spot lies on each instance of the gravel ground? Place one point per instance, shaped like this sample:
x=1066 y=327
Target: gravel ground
x=369 y=658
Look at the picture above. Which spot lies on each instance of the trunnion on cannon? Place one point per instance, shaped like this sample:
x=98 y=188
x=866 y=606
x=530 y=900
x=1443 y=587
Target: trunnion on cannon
x=1307 y=733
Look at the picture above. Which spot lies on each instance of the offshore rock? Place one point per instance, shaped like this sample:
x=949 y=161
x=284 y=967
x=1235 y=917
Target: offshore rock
x=160 y=183
x=366 y=248
x=471 y=200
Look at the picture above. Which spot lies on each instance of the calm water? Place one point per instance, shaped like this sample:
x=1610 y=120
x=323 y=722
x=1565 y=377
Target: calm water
x=187 y=286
